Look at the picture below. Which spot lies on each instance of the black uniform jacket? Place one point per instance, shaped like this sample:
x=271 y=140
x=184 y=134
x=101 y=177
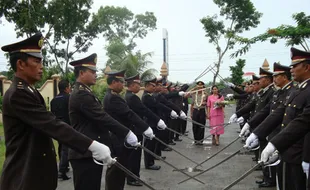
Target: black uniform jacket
x=30 y=162
x=294 y=118
x=135 y=103
x=117 y=107
x=60 y=107
x=88 y=117
x=256 y=104
x=156 y=107
x=162 y=98
x=279 y=97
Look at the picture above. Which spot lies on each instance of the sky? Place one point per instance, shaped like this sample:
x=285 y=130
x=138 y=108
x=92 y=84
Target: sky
x=189 y=50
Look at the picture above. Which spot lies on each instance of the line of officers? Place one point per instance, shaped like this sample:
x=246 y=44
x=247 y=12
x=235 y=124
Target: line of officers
x=96 y=132
x=276 y=118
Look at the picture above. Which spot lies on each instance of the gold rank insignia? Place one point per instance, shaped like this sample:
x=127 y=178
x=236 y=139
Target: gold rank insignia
x=20 y=85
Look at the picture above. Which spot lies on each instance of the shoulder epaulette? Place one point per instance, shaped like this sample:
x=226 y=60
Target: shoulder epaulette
x=81 y=87
x=20 y=85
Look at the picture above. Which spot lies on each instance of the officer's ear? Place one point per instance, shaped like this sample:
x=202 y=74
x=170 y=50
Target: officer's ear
x=20 y=64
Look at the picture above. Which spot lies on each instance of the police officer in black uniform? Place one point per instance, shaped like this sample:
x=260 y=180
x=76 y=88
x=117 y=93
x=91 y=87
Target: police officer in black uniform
x=264 y=97
x=161 y=94
x=117 y=107
x=60 y=108
x=175 y=124
x=88 y=117
x=159 y=109
x=282 y=79
x=30 y=160
x=134 y=103
x=293 y=117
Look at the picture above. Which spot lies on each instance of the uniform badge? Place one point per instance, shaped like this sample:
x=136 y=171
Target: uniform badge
x=95 y=60
x=40 y=43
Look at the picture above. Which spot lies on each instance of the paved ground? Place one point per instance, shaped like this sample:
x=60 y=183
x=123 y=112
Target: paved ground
x=217 y=178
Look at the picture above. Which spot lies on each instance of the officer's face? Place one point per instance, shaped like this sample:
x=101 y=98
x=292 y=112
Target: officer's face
x=251 y=89
x=32 y=69
x=299 y=72
x=88 y=77
x=135 y=87
x=256 y=86
x=279 y=80
x=118 y=85
x=158 y=88
x=151 y=88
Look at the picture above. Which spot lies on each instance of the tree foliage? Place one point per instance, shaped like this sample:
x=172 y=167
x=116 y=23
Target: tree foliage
x=121 y=28
x=237 y=16
x=293 y=35
x=65 y=24
x=237 y=72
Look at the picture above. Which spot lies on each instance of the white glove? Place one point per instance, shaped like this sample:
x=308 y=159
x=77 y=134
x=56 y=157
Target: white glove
x=267 y=152
x=161 y=124
x=174 y=114
x=132 y=139
x=245 y=129
x=149 y=133
x=251 y=142
x=181 y=93
x=183 y=115
x=240 y=120
x=305 y=166
x=101 y=152
x=233 y=118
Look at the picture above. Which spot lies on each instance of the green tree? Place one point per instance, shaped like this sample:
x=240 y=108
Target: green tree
x=66 y=25
x=237 y=71
x=293 y=35
x=133 y=63
x=239 y=16
x=121 y=30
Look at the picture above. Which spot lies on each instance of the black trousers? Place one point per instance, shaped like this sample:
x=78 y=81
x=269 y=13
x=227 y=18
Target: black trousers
x=64 y=162
x=200 y=117
x=174 y=124
x=295 y=178
x=115 y=177
x=134 y=161
x=86 y=174
x=149 y=160
x=183 y=126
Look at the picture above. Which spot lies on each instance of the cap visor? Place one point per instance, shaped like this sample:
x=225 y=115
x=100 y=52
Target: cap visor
x=37 y=55
x=92 y=68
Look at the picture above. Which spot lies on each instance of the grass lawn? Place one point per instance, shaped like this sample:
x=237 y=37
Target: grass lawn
x=2 y=147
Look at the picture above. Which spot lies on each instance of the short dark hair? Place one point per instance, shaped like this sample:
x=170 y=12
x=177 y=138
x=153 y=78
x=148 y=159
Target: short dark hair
x=77 y=71
x=62 y=85
x=16 y=56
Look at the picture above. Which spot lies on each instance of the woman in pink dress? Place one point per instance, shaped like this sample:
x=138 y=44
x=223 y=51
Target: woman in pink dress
x=215 y=115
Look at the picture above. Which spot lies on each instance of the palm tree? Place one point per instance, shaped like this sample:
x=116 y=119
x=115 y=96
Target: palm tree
x=133 y=63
